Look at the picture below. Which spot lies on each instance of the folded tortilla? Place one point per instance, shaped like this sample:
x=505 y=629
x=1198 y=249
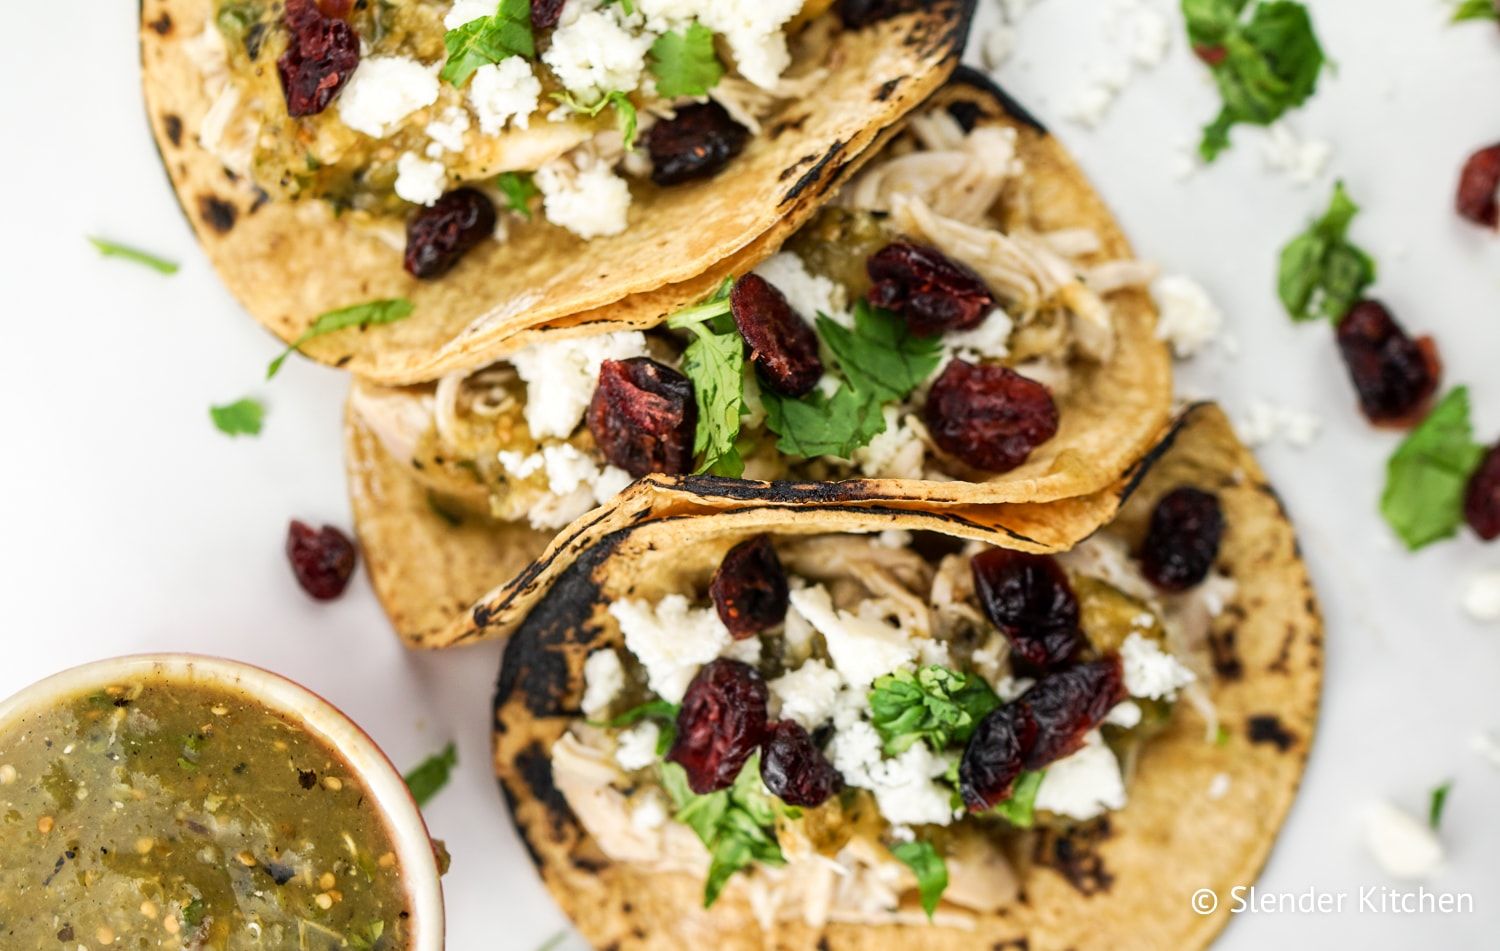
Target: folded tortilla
x=289 y=262
x=1202 y=813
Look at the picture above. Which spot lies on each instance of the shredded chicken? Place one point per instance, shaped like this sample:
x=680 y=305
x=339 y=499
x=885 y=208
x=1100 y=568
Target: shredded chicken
x=398 y=418
x=959 y=176
x=748 y=103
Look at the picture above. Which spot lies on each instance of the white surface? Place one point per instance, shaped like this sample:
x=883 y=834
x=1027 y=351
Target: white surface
x=130 y=524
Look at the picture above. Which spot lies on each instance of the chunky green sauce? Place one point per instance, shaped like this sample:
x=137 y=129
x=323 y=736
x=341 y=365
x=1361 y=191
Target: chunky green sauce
x=164 y=814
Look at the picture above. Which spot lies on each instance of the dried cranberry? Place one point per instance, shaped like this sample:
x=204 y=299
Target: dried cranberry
x=643 y=417
x=321 y=54
x=721 y=723
x=1183 y=539
x=1479 y=188
x=783 y=346
x=995 y=756
x=930 y=290
x=856 y=14
x=545 y=13
x=1482 y=499
x=322 y=559
x=794 y=769
x=749 y=589
x=1393 y=374
x=695 y=143
x=989 y=417
x=1067 y=704
x=1212 y=55
x=1029 y=599
x=437 y=237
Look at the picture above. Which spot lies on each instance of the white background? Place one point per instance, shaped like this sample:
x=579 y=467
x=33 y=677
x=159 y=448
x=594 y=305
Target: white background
x=127 y=523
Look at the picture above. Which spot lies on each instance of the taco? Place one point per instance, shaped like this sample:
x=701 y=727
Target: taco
x=962 y=326
x=334 y=155
x=748 y=731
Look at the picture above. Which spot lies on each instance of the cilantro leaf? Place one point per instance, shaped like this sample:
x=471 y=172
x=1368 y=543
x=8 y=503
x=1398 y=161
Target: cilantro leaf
x=240 y=418
x=487 y=40
x=738 y=824
x=1020 y=809
x=369 y=314
x=714 y=361
x=931 y=871
x=685 y=63
x=820 y=425
x=1439 y=801
x=432 y=774
x=1263 y=67
x=934 y=704
x=1477 y=10
x=1321 y=273
x=113 y=249
x=1429 y=472
x=652 y=710
x=624 y=111
x=519 y=189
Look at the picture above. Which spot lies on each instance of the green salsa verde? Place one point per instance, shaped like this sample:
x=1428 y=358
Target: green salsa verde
x=164 y=813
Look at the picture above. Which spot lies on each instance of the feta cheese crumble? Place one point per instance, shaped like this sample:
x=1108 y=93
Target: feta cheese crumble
x=808 y=694
x=896 y=453
x=507 y=91
x=589 y=202
x=383 y=91
x=575 y=483
x=1189 y=318
x=1403 y=846
x=1085 y=784
x=596 y=54
x=561 y=376
x=636 y=747
x=863 y=646
x=671 y=639
x=1482 y=598
x=418 y=180
x=1264 y=422
x=1301 y=161
x=904 y=787
x=603 y=679
x=1151 y=672
x=809 y=294
x=467 y=11
x=447 y=133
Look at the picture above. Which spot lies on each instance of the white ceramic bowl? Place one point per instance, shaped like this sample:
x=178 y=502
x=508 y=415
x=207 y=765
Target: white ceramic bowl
x=392 y=799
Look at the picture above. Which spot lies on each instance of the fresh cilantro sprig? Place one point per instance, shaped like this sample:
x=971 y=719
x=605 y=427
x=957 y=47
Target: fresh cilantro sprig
x=1322 y=274
x=1020 y=809
x=240 y=418
x=1437 y=804
x=685 y=63
x=1477 y=10
x=660 y=710
x=927 y=864
x=881 y=360
x=625 y=112
x=519 y=189
x=933 y=703
x=113 y=249
x=1264 y=66
x=714 y=360
x=368 y=314
x=432 y=774
x=488 y=40
x=1427 y=476
x=738 y=824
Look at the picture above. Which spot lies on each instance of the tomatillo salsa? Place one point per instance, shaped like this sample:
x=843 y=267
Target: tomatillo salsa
x=162 y=813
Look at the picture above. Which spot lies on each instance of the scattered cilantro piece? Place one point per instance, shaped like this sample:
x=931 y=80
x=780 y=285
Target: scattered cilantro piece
x=1263 y=67
x=714 y=361
x=1322 y=274
x=624 y=111
x=685 y=63
x=652 y=710
x=554 y=941
x=432 y=774
x=518 y=189
x=368 y=314
x=240 y=418
x=1439 y=800
x=367 y=938
x=1477 y=10
x=931 y=871
x=192 y=913
x=1221 y=738
x=1429 y=472
x=488 y=40
x=112 y=249
x=934 y=704
x=1020 y=809
x=738 y=824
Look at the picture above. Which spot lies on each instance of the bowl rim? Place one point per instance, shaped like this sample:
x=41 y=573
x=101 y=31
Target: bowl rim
x=392 y=799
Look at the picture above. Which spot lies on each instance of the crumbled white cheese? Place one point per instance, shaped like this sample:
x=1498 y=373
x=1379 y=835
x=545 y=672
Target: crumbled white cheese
x=671 y=639
x=447 y=133
x=1482 y=598
x=648 y=811
x=1302 y=161
x=904 y=787
x=1264 y=422
x=1404 y=846
x=809 y=294
x=383 y=91
x=990 y=340
x=1139 y=37
x=561 y=376
x=419 y=181
x=895 y=453
x=1125 y=714
x=589 y=202
x=467 y=11
x=1008 y=688
x=636 y=747
x=862 y=646
x=603 y=679
x=1085 y=784
x=1218 y=787
x=750 y=28
x=796 y=636
x=507 y=91
x=597 y=54
x=1151 y=672
x=1487 y=744
x=998 y=44
x=575 y=482
x=1090 y=104
x=1153 y=37
x=808 y=694
x=1189 y=318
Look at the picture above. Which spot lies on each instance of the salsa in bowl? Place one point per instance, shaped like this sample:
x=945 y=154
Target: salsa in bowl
x=176 y=801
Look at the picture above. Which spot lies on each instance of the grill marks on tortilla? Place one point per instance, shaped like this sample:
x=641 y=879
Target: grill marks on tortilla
x=1074 y=855
x=1267 y=728
x=812 y=175
x=172 y=125
x=162 y=24
x=217 y=213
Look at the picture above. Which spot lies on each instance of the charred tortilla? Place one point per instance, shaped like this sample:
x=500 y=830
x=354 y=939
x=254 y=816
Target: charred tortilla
x=289 y=262
x=1125 y=882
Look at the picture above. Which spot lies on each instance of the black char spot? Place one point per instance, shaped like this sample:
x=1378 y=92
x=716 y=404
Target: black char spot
x=217 y=213
x=162 y=24
x=1074 y=854
x=1266 y=728
x=535 y=768
x=172 y=125
x=811 y=176
x=886 y=88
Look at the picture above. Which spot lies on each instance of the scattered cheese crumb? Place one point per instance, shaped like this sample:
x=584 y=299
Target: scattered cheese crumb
x=1084 y=784
x=808 y=694
x=672 y=640
x=1189 y=317
x=590 y=202
x=467 y=11
x=419 y=181
x=1151 y=672
x=863 y=646
x=603 y=679
x=447 y=133
x=383 y=91
x=1487 y=745
x=1302 y=161
x=636 y=747
x=1404 y=846
x=507 y=91
x=1218 y=787
x=1264 y=422
x=561 y=376
x=596 y=54
x=1482 y=598
x=809 y=294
